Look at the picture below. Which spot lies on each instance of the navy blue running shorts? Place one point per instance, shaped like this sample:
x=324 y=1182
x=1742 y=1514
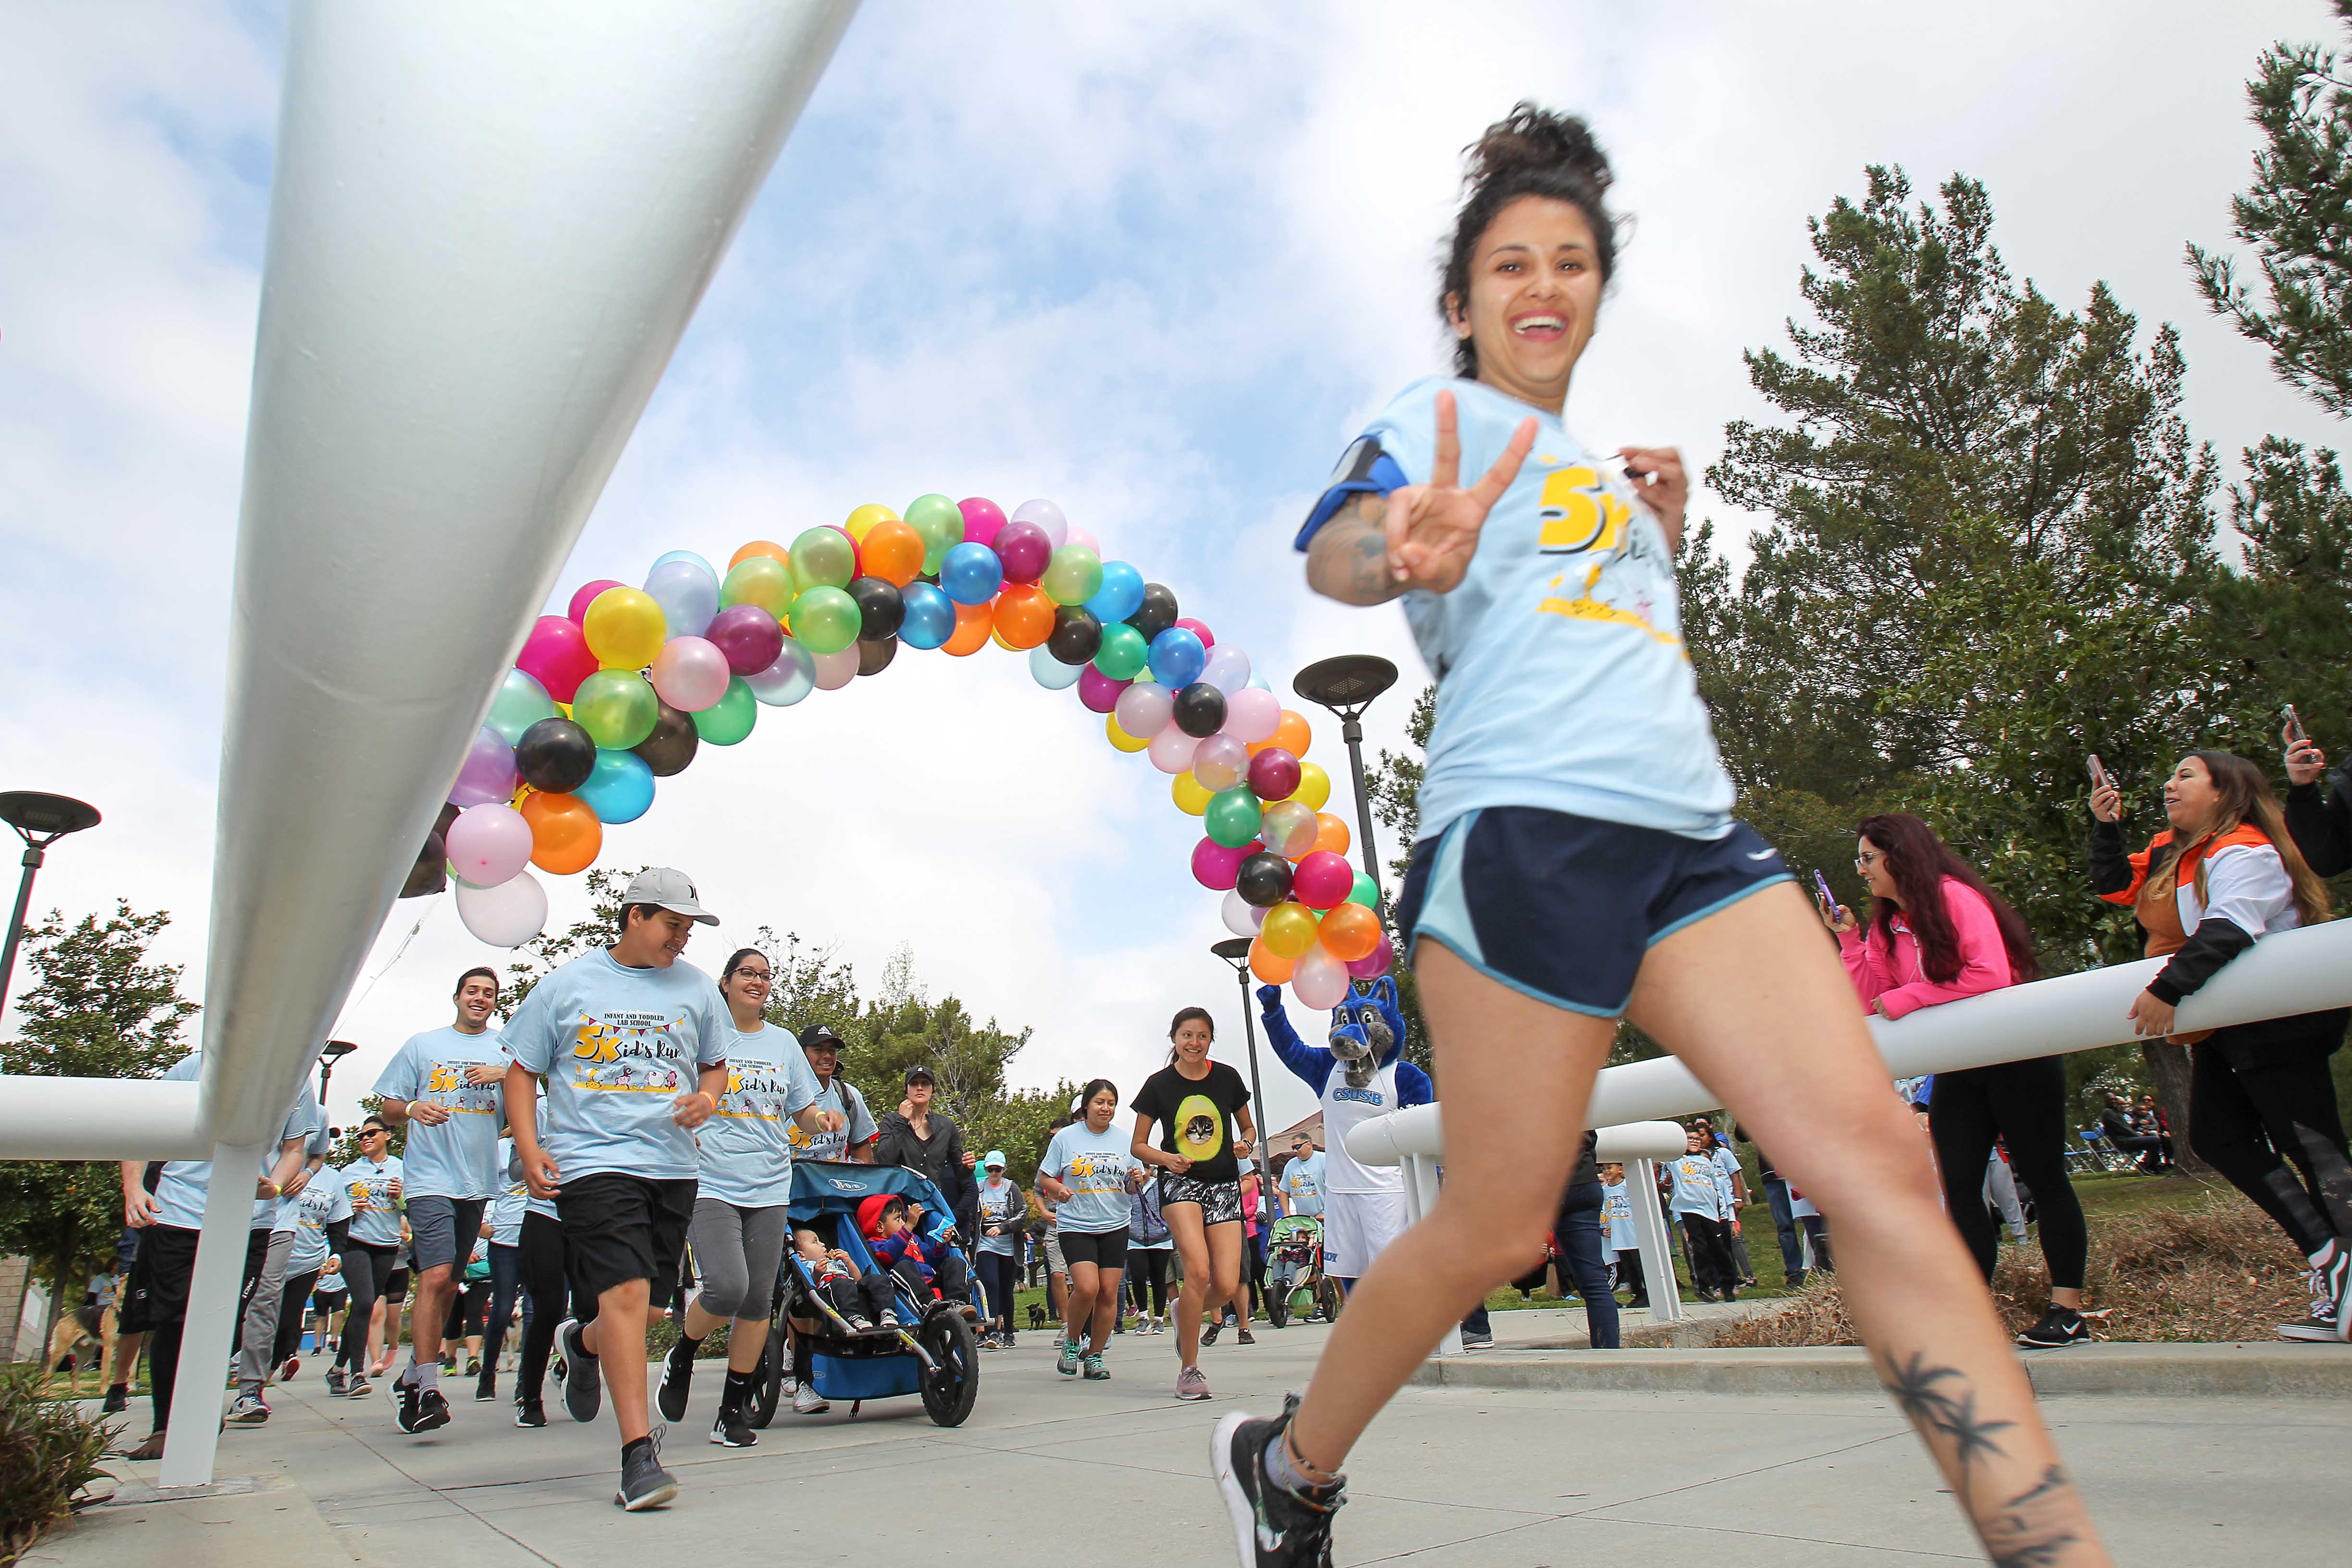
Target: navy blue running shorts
x=1563 y=908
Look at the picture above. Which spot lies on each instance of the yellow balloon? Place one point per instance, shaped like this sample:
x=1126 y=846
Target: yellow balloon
x=1191 y=794
x=1290 y=929
x=1314 y=787
x=1120 y=738
x=864 y=517
x=625 y=629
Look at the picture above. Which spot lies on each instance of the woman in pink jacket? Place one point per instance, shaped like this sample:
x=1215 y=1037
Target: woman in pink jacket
x=1938 y=934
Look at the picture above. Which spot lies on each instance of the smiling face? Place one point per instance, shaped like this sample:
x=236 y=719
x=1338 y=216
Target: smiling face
x=746 y=989
x=1871 y=861
x=1696 y=1142
x=1193 y=1039
x=1101 y=1106
x=654 y=939
x=2189 y=797
x=476 y=998
x=1535 y=292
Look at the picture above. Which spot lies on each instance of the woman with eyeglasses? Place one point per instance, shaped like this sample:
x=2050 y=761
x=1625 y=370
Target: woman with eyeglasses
x=1938 y=934
x=372 y=1184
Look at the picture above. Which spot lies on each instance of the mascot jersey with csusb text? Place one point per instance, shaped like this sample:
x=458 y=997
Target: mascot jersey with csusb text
x=1359 y=1074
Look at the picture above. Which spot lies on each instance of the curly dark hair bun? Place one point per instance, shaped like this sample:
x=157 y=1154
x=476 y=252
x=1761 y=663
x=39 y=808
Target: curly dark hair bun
x=1530 y=152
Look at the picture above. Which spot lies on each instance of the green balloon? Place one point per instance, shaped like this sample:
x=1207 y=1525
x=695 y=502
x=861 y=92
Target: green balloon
x=1123 y=654
x=616 y=708
x=1073 y=576
x=825 y=620
x=1364 y=893
x=823 y=558
x=938 y=523
x=760 y=580
x=520 y=703
x=1233 y=816
x=730 y=718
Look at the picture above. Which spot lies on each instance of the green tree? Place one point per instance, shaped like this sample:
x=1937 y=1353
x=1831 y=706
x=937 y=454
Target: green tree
x=2297 y=216
x=100 y=1010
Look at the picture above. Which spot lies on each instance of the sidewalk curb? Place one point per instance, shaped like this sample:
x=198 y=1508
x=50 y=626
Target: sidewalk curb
x=2166 y=1371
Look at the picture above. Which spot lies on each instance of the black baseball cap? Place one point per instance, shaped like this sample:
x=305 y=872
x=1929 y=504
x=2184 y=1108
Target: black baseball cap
x=919 y=1071
x=816 y=1037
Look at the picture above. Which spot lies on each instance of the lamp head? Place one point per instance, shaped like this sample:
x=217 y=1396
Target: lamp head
x=47 y=816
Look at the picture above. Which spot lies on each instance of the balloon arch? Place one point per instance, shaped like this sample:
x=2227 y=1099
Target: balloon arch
x=630 y=685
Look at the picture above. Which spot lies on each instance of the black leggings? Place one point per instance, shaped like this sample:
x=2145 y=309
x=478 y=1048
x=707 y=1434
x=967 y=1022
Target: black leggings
x=1708 y=1244
x=293 y=1311
x=367 y=1269
x=2241 y=1119
x=506 y=1284
x=996 y=1276
x=2024 y=1105
x=1146 y=1279
x=547 y=1294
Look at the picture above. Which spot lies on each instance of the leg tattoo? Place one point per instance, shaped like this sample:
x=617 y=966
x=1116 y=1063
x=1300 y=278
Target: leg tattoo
x=2032 y=1530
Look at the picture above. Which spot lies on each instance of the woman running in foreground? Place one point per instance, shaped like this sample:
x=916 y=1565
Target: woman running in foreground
x=1579 y=864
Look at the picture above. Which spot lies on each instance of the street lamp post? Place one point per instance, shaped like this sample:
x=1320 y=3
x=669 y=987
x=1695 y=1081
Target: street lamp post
x=1347 y=685
x=1236 y=951
x=41 y=820
x=335 y=1051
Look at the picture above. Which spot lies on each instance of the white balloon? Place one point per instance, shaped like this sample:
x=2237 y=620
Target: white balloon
x=1228 y=668
x=1242 y=917
x=1171 y=751
x=1318 y=980
x=1047 y=516
x=835 y=670
x=507 y=915
x=1050 y=672
x=786 y=681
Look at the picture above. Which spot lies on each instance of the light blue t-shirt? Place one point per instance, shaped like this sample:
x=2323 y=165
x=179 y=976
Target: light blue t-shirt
x=618 y=1045
x=842 y=1097
x=1617 y=1204
x=747 y=1156
x=179 y=1193
x=1302 y=1184
x=460 y=1157
x=512 y=1202
x=1726 y=1169
x=1562 y=682
x=1699 y=1186
x=376 y=1208
x=307 y=1213
x=1094 y=1166
x=1000 y=1205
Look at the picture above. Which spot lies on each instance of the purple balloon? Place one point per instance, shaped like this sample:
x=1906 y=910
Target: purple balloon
x=488 y=773
x=1098 y=691
x=1025 y=548
x=1215 y=867
x=1373 y=964
x=1274 y=775
x=748 y=636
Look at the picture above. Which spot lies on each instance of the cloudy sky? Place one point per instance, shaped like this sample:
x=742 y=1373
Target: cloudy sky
x=1157 y=264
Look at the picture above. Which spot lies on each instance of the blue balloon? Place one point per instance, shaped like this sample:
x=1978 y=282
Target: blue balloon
x=930 y=616
x=687 y=593
x=1120 y=596
x=688 y=556
x=1177 y=658
x=969 y=573
x=1050 y=672
x=620 y=787
x=1259 y=682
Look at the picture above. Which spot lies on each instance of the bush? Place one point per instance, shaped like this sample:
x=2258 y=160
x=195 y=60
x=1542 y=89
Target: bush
x=48 y=1452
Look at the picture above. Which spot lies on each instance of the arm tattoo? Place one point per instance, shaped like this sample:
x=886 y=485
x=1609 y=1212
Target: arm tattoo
x=1349 y=558
x=2032 y=1530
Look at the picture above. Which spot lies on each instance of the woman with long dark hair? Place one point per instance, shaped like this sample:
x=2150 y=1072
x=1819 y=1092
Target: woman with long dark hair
x=1197 y=1103
x=2222 y=877
x=1091 y=1172
x=1936 y=933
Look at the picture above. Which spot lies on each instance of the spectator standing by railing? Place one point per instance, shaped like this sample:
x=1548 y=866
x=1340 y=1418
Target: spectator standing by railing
x=2318 y=807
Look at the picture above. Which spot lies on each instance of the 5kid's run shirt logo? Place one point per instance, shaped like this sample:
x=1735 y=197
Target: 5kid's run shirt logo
x=1097 y=1173
x=1580 y=515
x=629 y=1053
x=754 y=1092
x=445 y=1085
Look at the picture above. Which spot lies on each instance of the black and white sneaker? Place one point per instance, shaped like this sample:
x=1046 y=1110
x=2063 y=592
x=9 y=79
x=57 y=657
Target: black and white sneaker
x=583 y=1395
x=530 y=1413
x=422 y=1409
x=643 y=1483
x=677 y=1382
x=731 y=1431
x=335 y=1383
x=2060 y=1327
x=485 y=1387
x=1273 y=1526
x=1209 y=1335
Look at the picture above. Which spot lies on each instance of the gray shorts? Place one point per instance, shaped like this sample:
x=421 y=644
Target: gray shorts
x=1055 y=1263
x=443 y=1230
x=737 y=1251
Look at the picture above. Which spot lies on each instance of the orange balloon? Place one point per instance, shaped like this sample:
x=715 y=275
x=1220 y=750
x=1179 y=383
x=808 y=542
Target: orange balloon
x=1330 y=833
x=1350 y=931
x=972 y=626
x=564 y=833
x=892 y=552
x=1292 y=735
x=760 y=547
x=1024 y=616
x=1269 y=965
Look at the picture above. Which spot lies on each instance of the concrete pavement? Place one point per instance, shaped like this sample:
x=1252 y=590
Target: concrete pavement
x=1450 y=1476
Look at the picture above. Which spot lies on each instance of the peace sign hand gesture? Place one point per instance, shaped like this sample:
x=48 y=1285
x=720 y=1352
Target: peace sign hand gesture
x=1433 y=529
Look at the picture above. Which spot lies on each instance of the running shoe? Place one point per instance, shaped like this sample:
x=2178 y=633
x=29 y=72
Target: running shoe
x=807 y=1401
x=2060 y=1327
x=576 y=1377
x=2319 y=1328
x=246 y=1411
x=1191 y=1383
x=889 y=1317
x=288 y=1368
x=118 y=1400
x=358 y=1387
x=1010 y=1338
x=677 y=1382
x=335 y=1380
x=1096 y=1372
x=1209 y=1335
x=1245 y=1337
x=731 y=1431
x=422 y=1409
x=485 y=1387
x=1067 y=1364
x=1477 y=1341
x=473 y=1366
x=643 y=1483
x=1274 y=1527
x=530 y=1413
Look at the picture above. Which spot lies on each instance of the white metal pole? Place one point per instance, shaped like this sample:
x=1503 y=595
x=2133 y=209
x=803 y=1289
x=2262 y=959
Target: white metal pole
x=1420 y=1197
x=210 y=1323
x=1650 y=1233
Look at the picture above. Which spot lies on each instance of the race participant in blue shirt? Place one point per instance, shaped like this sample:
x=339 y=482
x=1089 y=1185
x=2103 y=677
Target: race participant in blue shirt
x=1578 y=863
x=1090 y=1171
x=443 y=1084
x=633 y=1044
x=1300 y=1185
x=853 y=1136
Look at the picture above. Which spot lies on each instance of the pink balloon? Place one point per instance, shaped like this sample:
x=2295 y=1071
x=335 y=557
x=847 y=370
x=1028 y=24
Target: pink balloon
x=1080 y=536
x=587 y=597
x=1098 y=691
x=1215 y=868
x=1373 y=964
x=488 y=770
x=1198 y=631
x=488 y=844
x=746 y=637
x=1024 y=549
x=1319 y=981
x=1220 y=762
x=981 y=519
x=690 y=673
x=1323 y=881
x=1252 y=714
x=1172 y=753
x=835 y=670
x=1145 y=708
x=556 y=656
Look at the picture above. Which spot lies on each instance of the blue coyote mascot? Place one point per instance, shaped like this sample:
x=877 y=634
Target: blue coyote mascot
x=1358 y=1073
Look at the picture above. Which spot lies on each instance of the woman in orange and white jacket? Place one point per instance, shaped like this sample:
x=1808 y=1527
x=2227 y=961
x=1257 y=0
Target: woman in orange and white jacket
x=2224 y=875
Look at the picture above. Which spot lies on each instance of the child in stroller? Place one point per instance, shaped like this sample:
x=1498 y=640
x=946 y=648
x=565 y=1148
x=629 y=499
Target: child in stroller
x=863 y=1300
x=926 y=1265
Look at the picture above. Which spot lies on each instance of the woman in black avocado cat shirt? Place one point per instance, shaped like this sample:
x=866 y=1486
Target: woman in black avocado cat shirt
x=1197 y=1103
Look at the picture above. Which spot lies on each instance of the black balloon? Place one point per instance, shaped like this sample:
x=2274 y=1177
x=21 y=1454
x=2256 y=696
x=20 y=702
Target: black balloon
x=1076 y=636
x=880 y=608
x=1157 y=614
x=448 y=815
x=671 y=745
x=875 y=654
x=1263 y=880
x=555 y=755
x=1199 y=710
x=427 y=876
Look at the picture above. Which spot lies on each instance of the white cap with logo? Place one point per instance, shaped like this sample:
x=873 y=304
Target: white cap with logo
x=670 y=890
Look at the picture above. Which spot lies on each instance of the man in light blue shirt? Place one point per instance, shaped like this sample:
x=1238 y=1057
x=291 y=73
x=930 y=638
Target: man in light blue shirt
x=1301 y=1186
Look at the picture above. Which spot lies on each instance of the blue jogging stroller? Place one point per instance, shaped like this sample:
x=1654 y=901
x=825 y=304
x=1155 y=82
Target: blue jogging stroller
x=935 y=1354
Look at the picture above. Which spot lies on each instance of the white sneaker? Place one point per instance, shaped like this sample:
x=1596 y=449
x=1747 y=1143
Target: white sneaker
x=889 y=1317
x=807 y=1401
